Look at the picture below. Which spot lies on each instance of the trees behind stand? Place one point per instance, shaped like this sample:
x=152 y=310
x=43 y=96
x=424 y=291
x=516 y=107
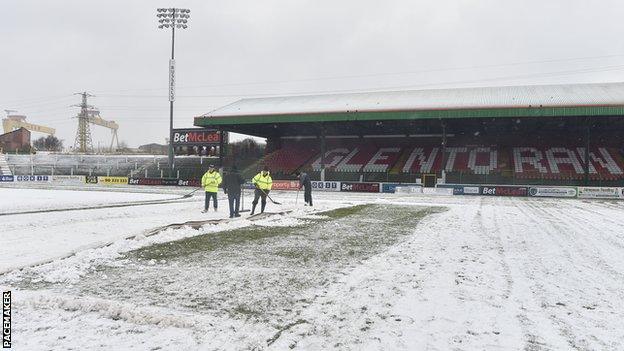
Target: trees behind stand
x=49 y=143
x=246 y=149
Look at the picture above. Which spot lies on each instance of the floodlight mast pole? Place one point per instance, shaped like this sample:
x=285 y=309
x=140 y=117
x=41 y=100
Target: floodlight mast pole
x=173 y=17
x=171 y=98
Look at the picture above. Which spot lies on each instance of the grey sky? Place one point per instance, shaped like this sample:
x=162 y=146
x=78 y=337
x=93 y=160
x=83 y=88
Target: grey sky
x=113 y=49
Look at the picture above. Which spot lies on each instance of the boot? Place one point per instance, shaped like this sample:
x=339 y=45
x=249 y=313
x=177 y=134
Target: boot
x=262 y=207
x=253 y=209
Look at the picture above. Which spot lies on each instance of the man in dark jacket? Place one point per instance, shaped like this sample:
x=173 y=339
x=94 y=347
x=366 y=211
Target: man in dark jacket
x=232 y=187
x=306 y=183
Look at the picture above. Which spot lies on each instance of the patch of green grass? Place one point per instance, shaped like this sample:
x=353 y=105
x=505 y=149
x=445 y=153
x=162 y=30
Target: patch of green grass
x=220 y=240
x=208 y=242
x=344 y=211
x=245 y=311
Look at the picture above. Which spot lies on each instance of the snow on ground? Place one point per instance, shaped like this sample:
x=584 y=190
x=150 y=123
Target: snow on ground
x=15 y=200
x=485 y=273
x=35 y=238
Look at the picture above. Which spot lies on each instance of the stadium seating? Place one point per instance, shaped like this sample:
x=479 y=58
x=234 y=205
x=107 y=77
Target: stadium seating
x=4 y=166
x=367 y=159
x=521 y=162
x=289 y=158
x=50 y=163
x=567 y=163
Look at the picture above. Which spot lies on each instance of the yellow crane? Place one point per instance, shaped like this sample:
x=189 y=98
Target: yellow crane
x=13 y=122
x=93 y=116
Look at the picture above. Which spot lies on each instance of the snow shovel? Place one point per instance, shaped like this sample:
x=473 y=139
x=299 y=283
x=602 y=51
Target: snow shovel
x=191 y=193
x=267 y=195
x=297 y=197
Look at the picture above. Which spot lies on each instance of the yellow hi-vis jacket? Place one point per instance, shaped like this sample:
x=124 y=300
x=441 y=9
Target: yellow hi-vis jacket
x=263 y=182
x=211 y=181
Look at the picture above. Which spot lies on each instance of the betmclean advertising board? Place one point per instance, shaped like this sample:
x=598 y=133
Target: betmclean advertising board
x=189 y=182
x=197 y=137
x=504 y=190
x=154 y=181
x=360 y=187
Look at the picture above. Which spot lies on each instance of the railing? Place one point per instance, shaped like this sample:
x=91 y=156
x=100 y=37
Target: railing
x=464 y=177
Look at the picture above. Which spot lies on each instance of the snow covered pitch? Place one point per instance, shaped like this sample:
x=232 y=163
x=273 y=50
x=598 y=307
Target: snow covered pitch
x=357 y=272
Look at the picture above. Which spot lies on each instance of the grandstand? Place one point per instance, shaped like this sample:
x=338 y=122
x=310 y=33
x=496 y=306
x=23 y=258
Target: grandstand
x=4 y=166
x=499 y=135
x=149 y=166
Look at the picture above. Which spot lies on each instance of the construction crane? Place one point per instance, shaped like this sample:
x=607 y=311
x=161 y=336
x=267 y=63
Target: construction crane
x=91 y=115
x=14 y=121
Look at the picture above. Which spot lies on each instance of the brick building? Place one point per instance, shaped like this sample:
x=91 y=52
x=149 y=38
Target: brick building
x=16 y=140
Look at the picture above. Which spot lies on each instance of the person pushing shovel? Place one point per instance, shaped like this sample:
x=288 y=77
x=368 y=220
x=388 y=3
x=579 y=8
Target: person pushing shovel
x=263 y=183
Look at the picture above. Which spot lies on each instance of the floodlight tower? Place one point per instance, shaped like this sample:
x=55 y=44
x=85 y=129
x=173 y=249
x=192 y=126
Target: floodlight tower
x=172 y=18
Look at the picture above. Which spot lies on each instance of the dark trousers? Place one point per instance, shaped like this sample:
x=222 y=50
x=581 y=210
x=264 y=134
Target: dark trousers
x=234 y=201
x=307 y=194
x=208 y=196
x=257 y=195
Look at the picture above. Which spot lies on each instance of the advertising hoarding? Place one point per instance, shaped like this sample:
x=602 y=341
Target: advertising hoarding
x=68 y=179
x=112 y=180
x=32 y=178
x=197 y=137
x=360 y=187
x=189 y=182
x=153 y=181
x=285 y=185
x=540 y=191
x=391 y=187
x=503 y=190
x=586 y=192
x=325 y=186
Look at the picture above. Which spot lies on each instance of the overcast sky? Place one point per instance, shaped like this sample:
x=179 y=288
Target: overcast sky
x=234 y=49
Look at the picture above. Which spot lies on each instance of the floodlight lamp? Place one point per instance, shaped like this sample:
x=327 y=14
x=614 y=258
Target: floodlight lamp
x=171 y=10
x=161 y=26
x=184 y=26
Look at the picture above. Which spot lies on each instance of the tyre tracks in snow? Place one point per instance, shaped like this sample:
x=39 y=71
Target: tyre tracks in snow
x=568 y=273
x=490 y=273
